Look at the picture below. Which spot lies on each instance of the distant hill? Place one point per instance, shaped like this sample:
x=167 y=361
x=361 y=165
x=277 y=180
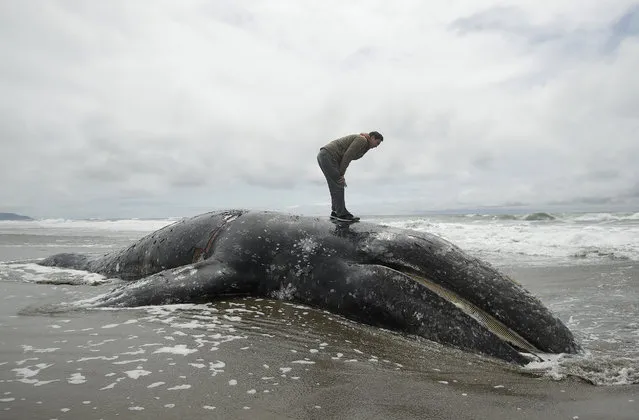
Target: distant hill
x=13 y=216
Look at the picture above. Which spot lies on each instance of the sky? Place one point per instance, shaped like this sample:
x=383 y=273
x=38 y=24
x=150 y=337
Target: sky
x=168 y=109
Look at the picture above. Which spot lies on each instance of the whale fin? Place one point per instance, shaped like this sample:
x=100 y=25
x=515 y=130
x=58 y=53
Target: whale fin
x=193 y=283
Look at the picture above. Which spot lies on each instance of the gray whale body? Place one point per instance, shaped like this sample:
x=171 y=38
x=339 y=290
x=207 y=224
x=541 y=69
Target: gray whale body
x=399 y=279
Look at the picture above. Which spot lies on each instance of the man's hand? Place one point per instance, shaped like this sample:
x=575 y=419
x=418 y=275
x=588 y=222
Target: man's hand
x=341 y=181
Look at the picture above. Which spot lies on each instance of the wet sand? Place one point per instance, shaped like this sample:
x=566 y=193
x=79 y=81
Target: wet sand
x=258 y=359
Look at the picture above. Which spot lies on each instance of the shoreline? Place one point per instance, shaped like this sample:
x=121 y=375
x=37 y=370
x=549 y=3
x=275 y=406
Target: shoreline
x=282 y=364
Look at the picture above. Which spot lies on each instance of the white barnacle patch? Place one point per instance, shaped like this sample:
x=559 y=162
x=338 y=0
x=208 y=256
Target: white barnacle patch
x=307 y=245
x=284 y=292
x=385 y=236
x=375 y=245
x=444 y=249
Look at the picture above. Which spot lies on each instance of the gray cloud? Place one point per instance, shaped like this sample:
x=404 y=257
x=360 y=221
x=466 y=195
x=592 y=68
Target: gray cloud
x=626 y=26
x=510 y=20
x=582 y=39
x=121 y=110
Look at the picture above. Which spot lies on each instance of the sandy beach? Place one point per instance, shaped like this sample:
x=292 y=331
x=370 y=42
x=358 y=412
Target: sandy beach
x=259 y=359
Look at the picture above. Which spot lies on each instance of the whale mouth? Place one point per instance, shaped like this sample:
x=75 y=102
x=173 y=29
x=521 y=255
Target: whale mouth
x=484 y=318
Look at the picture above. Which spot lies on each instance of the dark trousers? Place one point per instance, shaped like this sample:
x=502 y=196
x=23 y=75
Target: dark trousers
x=330 y=168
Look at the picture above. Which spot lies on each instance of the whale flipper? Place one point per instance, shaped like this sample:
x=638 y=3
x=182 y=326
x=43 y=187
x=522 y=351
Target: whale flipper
x=201 y=282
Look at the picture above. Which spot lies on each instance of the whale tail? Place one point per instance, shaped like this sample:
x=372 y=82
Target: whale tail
x=67 y=260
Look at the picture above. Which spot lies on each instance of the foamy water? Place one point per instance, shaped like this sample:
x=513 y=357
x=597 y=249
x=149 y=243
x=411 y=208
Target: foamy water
x=206 y=342
x=539 y=238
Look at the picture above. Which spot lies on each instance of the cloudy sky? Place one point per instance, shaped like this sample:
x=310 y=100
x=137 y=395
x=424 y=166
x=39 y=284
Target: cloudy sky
x=166 y=108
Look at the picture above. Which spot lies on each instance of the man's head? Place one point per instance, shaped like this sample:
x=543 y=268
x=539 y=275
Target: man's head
x=375 y=139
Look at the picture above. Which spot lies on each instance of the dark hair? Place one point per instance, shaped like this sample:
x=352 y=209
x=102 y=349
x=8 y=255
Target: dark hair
x=376 y=135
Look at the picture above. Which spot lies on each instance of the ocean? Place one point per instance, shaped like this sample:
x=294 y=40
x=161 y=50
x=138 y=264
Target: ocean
x=261 y=358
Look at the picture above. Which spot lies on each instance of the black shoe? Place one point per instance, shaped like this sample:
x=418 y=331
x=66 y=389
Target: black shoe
x=333 y=215
x=347 y=218
x=354 y=218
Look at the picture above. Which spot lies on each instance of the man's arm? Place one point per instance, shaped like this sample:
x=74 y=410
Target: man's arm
x=354 y=151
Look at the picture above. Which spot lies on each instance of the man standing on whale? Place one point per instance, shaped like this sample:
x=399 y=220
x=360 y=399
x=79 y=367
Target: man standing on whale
x=334 y=159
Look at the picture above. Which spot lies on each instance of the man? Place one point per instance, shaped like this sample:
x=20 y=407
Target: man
x=334 y=159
